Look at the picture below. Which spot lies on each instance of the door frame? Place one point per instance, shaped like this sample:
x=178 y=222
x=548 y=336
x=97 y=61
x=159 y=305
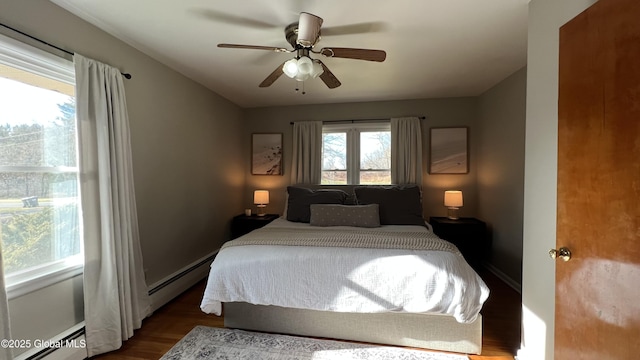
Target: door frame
x=539 y=225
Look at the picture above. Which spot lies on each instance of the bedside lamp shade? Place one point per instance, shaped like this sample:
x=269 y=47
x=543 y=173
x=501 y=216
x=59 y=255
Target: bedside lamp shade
x=261 y=199
x=453 y=198
x=453 y=201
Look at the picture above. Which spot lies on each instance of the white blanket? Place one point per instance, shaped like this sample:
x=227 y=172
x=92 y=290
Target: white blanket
x=366 y=280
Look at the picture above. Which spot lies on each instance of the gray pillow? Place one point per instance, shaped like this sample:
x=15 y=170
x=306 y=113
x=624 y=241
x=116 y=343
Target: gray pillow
x=399 y=204
x=345 y=215
x=300 y=199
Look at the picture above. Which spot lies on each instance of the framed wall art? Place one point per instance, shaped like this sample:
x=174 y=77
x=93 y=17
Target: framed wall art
x=266 y=154
x=449 y=151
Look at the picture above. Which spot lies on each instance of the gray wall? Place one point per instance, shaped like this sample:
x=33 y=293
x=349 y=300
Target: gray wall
x=187 y=159
x=502 y=113
x=493 y=189
x=438 y=112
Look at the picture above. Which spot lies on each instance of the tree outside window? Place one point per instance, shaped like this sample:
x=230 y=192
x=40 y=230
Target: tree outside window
x=356 y=154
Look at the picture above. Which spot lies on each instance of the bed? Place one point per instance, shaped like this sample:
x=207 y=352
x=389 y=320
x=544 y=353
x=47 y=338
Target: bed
x=356 y=272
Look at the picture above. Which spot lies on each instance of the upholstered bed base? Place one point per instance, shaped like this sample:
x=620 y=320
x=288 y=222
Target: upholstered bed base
x=437 y=332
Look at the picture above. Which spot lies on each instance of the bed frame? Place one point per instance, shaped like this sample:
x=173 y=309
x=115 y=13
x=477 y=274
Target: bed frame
x=429 y=331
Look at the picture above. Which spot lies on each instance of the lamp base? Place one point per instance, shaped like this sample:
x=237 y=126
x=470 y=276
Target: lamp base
x=261 y=210
x=452 y=213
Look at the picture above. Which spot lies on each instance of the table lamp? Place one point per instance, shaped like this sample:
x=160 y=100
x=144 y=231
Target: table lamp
x=261 y=199
x=453 y=201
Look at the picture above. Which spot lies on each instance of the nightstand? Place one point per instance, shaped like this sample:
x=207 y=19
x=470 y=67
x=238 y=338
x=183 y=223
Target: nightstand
x=468 y=234
x=243 y=224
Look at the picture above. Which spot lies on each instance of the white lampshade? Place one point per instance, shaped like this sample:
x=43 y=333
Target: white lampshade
x=261 y=197
x=290 y=68
x=305 y=65
x=453 y=198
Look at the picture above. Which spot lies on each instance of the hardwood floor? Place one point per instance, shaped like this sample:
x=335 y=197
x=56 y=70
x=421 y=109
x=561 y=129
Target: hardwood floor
x=501 y=313
x=502 y=321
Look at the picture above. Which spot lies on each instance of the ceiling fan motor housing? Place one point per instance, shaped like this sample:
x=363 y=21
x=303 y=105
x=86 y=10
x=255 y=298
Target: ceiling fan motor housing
x=304 y=33
x=291 y=34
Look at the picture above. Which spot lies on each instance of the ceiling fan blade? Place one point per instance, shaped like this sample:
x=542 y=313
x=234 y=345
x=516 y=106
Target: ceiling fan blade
x=328 y=78
x=253 y=47
x=351 y=53
x=272 y=77
x=359 y=28
x=308 y=29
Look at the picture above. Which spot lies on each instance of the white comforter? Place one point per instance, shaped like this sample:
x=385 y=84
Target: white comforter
x=346 y=279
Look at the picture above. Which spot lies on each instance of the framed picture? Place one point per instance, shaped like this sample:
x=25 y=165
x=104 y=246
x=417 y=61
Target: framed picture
x=266 y=154
x=449 y=151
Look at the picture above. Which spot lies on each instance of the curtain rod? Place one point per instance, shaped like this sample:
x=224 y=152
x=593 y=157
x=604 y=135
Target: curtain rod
x=359 y=120
x=126 y=75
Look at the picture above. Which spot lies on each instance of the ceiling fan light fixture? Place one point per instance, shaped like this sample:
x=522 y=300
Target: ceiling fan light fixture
x=305 y=65
x=290 y=68
x=316 y=69
x=302 y=76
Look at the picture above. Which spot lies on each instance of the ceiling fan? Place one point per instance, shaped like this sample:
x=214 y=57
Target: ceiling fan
x=303 y=36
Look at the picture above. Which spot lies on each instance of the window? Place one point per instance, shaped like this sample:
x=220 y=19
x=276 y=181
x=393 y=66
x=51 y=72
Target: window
x=356 y=154
x=39 y=202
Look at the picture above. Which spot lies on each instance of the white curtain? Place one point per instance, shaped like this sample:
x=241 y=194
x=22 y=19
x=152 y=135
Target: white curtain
x=5 y=329
x=307 y=152
x=115 y=293
x=406 y=151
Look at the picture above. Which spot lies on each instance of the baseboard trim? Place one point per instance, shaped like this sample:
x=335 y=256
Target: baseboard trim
x=165 y=290
x=504 y=277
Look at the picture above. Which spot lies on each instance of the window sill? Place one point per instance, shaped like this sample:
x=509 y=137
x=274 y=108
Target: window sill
x=18 y=285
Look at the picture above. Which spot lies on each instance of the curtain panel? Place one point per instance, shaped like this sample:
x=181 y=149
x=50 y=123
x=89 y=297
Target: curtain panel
x=406 y=151
x=115 y=293
x=306 y=167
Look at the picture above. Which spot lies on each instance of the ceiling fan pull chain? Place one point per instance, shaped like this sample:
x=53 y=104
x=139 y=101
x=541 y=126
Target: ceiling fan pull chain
x=303 y=92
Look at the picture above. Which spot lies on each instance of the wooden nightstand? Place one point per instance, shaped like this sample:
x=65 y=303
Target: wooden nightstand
x=468 y=234
x=243 y=224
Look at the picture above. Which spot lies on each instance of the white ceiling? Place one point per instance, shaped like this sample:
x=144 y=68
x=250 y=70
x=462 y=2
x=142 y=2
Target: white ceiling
x=435 y=48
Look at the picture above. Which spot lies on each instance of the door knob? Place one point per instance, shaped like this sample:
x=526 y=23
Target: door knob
x=562 y=253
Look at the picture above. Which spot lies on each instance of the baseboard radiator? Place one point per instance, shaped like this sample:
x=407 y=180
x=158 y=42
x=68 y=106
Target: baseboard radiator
x=69 y=345
x=175 y=284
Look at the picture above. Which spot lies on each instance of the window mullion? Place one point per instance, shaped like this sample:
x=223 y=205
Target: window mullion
x=353 y=156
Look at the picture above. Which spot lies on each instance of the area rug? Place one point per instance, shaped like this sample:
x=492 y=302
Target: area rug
x=226 y=344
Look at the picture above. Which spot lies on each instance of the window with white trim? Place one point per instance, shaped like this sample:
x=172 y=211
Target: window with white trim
x=357 y=153
x=40 y=226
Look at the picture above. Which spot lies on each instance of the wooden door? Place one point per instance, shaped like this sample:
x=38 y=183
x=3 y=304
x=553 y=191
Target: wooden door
x=598 y=290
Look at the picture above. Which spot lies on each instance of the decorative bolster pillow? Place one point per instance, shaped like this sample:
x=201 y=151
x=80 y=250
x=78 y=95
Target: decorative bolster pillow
x=367 y=216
